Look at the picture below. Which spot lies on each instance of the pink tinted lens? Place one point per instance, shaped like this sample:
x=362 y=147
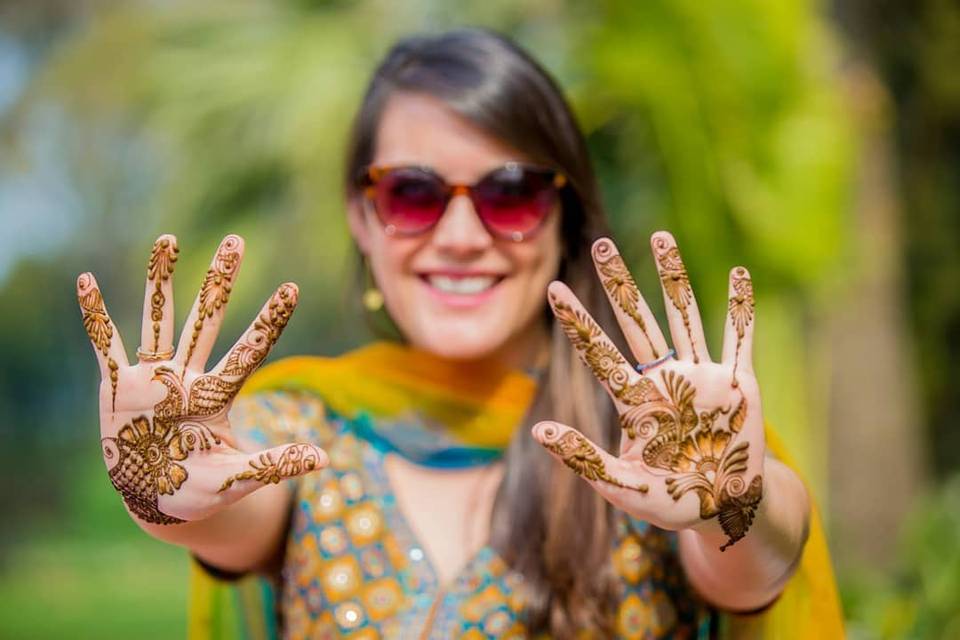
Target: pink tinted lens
x=513 y=201
x=410 y=200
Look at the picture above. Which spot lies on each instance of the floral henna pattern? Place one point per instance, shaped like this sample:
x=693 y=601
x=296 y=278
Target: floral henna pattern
x=620 y=285
x=159 y=270
x=693 y=447
x=676 y=283
x=256 y=343
x=216 y=287
x=741 y=310
x=148 y=452
x=580 y=455
x=295 y=460
x=98 y=326
x=705 y=457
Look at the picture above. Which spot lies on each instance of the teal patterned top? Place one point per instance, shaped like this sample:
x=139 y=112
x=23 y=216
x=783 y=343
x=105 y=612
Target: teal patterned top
x=353 y=567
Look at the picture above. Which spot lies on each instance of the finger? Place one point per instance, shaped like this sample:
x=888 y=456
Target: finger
x=686 y=330
x=607 y=473
x=101 y=330
x=270 y=466
x=634 y=395
x=203 y=323
x=738 y=330
x=637 y=322
x=252 y=348
x=156 y=332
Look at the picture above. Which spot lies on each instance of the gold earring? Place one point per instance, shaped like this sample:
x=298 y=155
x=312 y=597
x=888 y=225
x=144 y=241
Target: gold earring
x=372 y=299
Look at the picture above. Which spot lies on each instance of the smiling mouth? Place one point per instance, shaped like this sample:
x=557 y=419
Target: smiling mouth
x=462 y=285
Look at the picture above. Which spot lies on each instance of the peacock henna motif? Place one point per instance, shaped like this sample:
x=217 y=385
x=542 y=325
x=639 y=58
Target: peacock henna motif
x=294 y=460
x=620 y=285
x=580 y=455
x=741 y=309
x=97 y=324
x=676 y=283
x=216 y=287
x=159 y=270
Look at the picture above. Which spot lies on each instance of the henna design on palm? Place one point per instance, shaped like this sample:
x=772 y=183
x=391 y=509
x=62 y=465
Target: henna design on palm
x=165 y=447
x=682 y=434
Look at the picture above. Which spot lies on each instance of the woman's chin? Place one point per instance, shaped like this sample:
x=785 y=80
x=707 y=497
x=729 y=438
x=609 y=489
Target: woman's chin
x=460 y=342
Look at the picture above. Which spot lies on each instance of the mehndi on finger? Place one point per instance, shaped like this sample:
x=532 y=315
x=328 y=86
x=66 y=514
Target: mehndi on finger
x=98 y=326
x=676 y=284
x=159 y=269
x=215 y=288
x=619 y=284
x=295 y=460
x=741 y=311
x=581 y=456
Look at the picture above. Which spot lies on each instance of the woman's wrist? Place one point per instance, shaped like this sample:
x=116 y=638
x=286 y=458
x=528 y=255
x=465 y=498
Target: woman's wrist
x=753 y=572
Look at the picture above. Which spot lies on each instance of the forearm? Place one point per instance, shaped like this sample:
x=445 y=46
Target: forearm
x=754 y=571
x=243 y=536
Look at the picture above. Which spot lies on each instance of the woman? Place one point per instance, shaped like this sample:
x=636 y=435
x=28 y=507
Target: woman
x=423 y=507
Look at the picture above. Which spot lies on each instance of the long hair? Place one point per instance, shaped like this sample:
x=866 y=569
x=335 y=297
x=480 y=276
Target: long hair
x=547 y=523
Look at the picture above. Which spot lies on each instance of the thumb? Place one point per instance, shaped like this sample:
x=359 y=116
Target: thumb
x=270 y=466
x=606 y=473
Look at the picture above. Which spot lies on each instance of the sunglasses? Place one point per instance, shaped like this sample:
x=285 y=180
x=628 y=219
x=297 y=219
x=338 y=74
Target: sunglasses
x=511 y=201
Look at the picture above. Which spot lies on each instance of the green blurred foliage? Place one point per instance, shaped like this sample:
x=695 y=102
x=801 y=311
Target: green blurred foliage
x=916 y=46
x=919 y=600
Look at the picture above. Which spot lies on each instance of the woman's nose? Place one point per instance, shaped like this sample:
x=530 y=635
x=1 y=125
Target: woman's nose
x=460 y=229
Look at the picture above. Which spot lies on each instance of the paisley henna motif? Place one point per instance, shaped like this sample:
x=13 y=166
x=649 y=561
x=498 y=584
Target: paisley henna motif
x=703 y=455
x=257 y=342
x=679 y=440
x=741 y=309
x=98 y=326
x=159 y=270
x=216 y=287
x=620 y=285
x=295 y=460
x=676 y=283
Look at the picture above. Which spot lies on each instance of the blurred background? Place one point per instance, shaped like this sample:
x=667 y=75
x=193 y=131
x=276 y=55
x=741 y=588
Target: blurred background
x=816 y=142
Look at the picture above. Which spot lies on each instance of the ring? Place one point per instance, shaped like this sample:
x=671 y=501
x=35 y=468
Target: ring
x=642 y=368
x=154 y=356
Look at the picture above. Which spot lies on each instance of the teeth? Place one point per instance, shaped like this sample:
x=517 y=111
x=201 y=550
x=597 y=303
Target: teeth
x=462 y=286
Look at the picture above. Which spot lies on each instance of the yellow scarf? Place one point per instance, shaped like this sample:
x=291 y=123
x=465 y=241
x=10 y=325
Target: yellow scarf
x=481 y=410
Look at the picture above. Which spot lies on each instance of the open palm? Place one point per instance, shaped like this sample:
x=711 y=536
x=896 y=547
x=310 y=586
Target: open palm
x=692 y=441
x=163 y=421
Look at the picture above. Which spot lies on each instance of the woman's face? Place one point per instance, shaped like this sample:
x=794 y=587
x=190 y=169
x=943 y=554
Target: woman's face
x=456 y=290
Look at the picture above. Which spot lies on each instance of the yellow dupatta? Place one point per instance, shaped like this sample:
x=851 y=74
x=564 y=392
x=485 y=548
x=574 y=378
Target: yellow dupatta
x=386 y=380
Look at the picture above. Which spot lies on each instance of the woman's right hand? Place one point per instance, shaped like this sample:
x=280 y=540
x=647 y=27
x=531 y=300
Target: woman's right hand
x=163 y=421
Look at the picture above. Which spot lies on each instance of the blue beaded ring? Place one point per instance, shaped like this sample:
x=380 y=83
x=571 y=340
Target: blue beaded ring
x=642 y=368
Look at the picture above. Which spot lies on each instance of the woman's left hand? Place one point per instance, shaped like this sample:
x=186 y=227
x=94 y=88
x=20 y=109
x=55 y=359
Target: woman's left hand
x=692 y=440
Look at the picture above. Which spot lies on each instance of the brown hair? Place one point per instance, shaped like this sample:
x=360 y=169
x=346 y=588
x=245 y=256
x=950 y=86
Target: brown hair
x=547 y=523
